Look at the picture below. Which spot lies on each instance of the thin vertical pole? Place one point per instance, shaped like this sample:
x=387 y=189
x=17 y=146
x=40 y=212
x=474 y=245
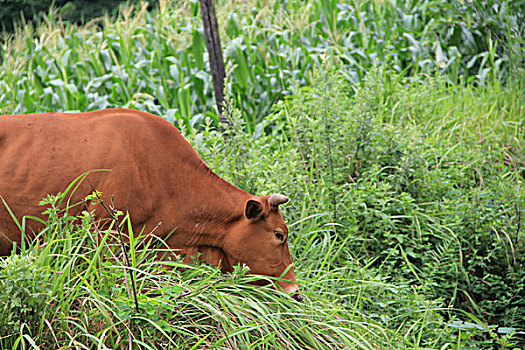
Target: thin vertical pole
x=213 y=45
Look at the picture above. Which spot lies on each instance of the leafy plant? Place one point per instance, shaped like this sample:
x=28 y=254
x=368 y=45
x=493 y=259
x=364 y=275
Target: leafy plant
x=24 y=294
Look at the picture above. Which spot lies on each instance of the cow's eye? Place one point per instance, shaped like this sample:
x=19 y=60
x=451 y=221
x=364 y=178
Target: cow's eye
x=279 y=235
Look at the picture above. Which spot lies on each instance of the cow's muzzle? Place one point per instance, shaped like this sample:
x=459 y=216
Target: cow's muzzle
x=297 y=297
x=292 y=289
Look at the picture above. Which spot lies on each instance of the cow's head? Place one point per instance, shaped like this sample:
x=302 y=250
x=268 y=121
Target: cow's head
x=260 y=240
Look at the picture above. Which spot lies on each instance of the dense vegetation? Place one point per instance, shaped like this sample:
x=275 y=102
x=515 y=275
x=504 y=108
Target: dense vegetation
x=17 y=12
x=396 y=128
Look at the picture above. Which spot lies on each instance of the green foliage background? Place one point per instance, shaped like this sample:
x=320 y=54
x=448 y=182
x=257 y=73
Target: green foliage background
x=396 y=128
x=77 y=11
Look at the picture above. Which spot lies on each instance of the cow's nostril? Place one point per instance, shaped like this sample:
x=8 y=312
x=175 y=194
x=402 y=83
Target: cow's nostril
x=297 y=297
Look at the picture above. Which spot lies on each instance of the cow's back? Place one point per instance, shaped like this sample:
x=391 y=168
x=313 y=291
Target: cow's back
x=43 y=153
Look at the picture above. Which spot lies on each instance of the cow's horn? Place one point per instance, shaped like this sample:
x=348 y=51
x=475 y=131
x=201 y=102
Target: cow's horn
x=276 y=199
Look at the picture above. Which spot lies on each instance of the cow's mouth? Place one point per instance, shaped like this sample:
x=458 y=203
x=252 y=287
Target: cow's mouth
x=297 y=297
x=215 y=256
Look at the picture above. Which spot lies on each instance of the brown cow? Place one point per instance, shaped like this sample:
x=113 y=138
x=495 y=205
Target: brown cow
x=155 y=175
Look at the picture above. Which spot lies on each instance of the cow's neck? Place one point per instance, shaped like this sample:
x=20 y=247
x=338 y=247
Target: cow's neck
x=214 y=206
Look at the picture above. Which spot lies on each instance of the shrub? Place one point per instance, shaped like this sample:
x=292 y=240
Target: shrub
x=24 y=294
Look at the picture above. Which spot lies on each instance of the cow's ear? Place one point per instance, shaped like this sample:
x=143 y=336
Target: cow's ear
x=254 y=210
